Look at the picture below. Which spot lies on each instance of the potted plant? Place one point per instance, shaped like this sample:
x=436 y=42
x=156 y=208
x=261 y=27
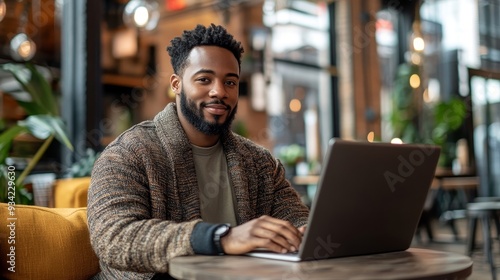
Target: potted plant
x=43 y=122
x=415 y=122
x=291 y=155
x=83 y=167
x=448 y=118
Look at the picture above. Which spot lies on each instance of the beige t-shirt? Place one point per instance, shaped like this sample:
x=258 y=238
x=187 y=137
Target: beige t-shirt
x=216 y=195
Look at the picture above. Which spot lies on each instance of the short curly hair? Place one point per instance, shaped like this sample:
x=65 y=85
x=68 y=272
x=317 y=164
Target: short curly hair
x=214 y=35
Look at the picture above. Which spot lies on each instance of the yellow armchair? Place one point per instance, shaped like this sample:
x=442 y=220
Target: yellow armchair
x=45 y=243
x=71 y=192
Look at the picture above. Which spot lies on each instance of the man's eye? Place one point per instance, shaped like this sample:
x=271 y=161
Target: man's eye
x=231 y=83
x=203 y=80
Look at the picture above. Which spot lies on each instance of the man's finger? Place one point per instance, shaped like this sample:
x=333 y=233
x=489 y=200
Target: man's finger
x=269 y=238
x=282 y=228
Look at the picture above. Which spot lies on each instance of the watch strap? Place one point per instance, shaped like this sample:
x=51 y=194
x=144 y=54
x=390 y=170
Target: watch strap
x=218 y=235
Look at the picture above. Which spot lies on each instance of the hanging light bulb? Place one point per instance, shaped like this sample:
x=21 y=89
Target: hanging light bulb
x=418 y=44
x=417 y=38
x=22 y=47
x=3 y=9
x=141 y=14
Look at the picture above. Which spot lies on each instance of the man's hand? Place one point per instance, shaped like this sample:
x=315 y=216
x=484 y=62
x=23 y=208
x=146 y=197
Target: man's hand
x=302 y=229
x=265 y=232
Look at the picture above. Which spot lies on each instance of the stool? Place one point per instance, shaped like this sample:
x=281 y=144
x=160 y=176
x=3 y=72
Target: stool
x=486 y=211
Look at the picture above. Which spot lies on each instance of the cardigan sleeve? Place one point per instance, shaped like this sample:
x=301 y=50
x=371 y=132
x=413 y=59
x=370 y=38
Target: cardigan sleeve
x=123 y=232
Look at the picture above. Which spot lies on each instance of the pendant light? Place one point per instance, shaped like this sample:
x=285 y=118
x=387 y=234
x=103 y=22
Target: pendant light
x=142 y=14
x=22 y=48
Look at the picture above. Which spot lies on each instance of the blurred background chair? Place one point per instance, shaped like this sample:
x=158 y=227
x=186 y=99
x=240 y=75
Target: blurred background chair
x=484 y=209
x=71 y=192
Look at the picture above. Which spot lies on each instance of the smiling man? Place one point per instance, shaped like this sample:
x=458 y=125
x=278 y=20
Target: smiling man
x=183 y=183
x=207 y=78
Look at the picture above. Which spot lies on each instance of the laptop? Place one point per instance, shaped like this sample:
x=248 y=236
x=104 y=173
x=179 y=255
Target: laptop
x=369 y=199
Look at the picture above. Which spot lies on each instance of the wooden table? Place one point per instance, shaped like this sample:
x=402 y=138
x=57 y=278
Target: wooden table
x=411 y=264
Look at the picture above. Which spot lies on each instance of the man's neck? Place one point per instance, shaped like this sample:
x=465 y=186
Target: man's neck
x=204 y=140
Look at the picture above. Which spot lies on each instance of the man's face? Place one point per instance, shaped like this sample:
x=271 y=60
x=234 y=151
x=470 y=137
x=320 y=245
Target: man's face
x=208 y=89
x=195 y=116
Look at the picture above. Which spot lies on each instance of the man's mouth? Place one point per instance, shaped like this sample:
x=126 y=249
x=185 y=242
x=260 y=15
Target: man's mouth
x=216 y=109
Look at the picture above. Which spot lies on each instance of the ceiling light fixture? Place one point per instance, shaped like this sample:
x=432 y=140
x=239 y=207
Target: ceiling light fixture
x=142 y=14
x=22 y=48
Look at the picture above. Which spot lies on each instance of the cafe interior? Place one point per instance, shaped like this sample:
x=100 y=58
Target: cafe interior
x=417 y=71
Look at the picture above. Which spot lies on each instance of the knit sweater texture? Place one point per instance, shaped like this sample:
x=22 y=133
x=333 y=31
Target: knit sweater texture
x=144 y=201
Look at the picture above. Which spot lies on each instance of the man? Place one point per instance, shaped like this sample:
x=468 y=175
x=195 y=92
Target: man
x=171 y=186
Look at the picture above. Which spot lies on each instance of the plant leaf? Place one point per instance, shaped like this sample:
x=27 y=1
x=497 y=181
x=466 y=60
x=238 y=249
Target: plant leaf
x=36 y=85
x=42 y=126
x=31 y=108
x=22 y=75
x=37 y=126
x=61 y=133
x=451 y=113
x=44 y=91
x=6 y=139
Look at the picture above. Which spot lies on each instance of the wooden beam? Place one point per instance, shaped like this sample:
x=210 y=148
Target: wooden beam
x=366 y=78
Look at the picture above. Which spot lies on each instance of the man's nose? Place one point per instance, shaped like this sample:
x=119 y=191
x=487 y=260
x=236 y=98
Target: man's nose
x=218 y=90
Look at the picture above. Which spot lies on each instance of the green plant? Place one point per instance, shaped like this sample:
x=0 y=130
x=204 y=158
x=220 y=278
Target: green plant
x=405 y=115
x=240 y=128
x=43 y=122
x=83 y=167
x=448 y=118
x=415 y=122
x=292 y=154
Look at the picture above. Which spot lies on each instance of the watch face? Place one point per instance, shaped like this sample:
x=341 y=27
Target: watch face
x=222 y=230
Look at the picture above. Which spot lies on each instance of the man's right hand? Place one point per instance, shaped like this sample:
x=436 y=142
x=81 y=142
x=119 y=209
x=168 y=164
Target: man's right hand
x=264 y=232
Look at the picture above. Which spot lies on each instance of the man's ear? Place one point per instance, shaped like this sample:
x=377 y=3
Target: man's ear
x=175 y=83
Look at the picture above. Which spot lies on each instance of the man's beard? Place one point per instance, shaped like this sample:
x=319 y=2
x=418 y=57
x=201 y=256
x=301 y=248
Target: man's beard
x=195 y=116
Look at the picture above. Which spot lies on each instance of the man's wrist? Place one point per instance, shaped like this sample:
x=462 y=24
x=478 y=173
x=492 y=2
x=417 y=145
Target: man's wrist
x=202 y=238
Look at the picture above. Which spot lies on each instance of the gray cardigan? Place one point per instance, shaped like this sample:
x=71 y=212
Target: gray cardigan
x=144 y=205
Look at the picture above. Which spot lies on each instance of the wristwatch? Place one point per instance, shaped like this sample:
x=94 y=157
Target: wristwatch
x=221 y=231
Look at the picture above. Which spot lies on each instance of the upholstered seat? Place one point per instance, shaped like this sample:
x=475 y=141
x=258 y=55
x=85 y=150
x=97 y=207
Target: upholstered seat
x=50 y=243
x=71 y=192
